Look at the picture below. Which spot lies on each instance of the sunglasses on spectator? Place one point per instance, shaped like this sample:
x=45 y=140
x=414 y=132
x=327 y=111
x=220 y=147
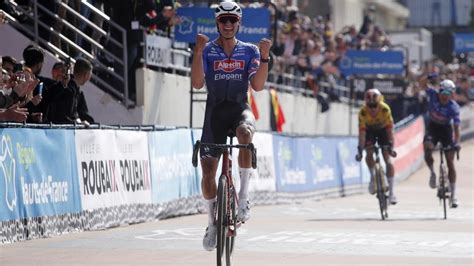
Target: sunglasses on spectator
x=224 y=19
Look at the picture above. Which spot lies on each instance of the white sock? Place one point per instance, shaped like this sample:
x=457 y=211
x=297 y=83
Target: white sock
x=245 y=174
x=372 y=173
x=211 y=206
x=452 y=187
x=390 y=180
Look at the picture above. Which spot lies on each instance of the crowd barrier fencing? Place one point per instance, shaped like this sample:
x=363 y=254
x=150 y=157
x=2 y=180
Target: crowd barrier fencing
x=56 y=181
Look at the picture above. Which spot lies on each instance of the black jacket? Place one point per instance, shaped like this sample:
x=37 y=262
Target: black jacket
x=67 y=104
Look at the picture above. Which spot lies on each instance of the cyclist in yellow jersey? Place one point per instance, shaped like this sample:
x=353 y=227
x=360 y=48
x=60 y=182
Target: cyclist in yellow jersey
x=376 y=126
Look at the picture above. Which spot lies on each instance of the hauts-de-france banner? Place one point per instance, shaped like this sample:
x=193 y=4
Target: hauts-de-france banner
x=113 y=168
x=255 y=24
x=37 y=173
x=173 y=175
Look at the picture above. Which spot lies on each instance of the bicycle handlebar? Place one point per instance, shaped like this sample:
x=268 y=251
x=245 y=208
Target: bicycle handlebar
x=223 y=147
x=391 y=152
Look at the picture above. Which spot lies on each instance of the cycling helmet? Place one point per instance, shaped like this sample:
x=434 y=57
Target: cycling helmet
x=228 y=8
x=372 y=97
x=447 y=87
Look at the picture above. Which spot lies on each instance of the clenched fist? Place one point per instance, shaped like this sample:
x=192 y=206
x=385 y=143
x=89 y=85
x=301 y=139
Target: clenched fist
x=264 y=46
x=201 y=41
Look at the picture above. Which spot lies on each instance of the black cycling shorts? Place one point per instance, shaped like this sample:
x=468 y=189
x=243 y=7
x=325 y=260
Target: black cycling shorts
x=379 y=136
x=222 y=119
x=439 y=133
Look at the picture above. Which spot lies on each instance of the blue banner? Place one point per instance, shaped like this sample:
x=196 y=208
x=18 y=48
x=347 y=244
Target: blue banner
x=202 y=20
x=290 y=175
x=463 y=42
x=173 y=175
x=324 y=162
x=372 y=62
x=351 y=171
x=31 y=183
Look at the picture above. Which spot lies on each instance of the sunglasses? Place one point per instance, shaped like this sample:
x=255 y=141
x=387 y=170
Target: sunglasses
x=224 y=19
x=372 y=105
x=445 y=92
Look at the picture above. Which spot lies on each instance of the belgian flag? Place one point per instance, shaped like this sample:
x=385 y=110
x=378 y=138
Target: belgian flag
x=253 y=104
x=277 y=118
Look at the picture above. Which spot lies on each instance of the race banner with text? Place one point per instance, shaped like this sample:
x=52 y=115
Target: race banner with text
x=265 y=177
x=31 y=182
x=390 y=88
x=321 y=155
x=173 y=175
x=463 y=43
x=196 y=20
x=370 y=62
x=158 y=51
x=113 y=168
x=350 y=169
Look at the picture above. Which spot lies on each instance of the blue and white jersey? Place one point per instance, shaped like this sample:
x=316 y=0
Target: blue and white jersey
x=439 y=113
x=227 y=77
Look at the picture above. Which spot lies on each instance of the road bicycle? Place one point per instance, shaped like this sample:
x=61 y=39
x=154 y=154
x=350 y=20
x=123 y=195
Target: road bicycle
x=443 y=189
x=380 y=178
x=227 y=198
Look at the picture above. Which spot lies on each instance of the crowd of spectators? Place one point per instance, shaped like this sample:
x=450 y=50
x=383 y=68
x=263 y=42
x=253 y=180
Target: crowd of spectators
x=26 y=96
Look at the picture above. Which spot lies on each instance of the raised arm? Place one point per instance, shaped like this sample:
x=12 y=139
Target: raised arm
x=197 y=67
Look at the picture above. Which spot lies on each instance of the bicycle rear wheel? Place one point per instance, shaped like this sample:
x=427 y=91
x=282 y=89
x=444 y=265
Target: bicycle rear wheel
x=381 y=196
x=231 y=229
x=221 y=219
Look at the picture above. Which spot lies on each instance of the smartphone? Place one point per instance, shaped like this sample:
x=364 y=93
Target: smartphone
x=40 y=88
x=17 y=67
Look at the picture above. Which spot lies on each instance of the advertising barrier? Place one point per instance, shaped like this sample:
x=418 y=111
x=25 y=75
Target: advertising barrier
x=31 y=183
x=173 y=175
x=97 y=178
x=113 y=168
x=158 y=51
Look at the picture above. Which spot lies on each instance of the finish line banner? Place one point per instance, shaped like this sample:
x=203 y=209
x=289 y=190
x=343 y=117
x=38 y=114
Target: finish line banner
x=196 y=20
x=372 y=62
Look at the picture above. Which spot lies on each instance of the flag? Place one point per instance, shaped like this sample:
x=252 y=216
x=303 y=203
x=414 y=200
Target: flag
x=277 y=118
x=253 y=104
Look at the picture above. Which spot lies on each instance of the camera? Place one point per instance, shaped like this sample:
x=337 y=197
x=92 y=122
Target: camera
x=67 y=64
x=17 y=67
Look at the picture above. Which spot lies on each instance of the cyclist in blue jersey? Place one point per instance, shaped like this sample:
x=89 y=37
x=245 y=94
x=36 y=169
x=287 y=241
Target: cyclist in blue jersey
x=227 y=66
x=443 y=121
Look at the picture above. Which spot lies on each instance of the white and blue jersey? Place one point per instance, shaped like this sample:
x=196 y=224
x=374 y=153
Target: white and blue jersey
x=227 y=77
x=439 y=113
x=227 y=81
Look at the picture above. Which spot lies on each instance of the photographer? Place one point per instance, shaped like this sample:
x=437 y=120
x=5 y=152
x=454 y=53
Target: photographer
x=67 y=101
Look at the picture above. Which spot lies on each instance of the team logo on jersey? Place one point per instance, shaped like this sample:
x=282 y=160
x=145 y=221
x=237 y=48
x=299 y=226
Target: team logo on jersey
x=229 y=65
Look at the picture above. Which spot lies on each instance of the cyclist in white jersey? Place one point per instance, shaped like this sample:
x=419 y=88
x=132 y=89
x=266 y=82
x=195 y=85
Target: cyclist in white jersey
x=227 y=66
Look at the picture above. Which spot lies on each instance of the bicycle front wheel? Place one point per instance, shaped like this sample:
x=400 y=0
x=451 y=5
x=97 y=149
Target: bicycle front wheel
x=381 y=196
x=443 y=188
x=231 y=229
x=221 y=219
